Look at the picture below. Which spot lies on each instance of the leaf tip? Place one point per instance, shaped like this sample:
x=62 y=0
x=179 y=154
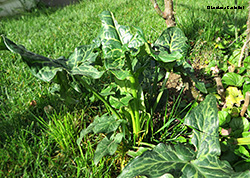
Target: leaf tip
x=2 y=43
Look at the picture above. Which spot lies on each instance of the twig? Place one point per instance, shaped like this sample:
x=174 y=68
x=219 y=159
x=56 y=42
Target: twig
x=235 y=20
x=157 y=8
x=242 y=52
x=247 y=39
x=168 y=14
x=246 y=104
x=235 y=40
x=220 y=88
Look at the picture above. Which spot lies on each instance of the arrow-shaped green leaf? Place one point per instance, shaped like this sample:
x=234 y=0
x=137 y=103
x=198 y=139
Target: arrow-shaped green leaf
x=204 y=120
x=172 y=39
x=107 y=147
x=103 y=124
x=45 y=69
x=182 y=161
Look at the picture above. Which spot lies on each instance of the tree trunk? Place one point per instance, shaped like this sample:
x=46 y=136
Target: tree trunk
x=168 y=13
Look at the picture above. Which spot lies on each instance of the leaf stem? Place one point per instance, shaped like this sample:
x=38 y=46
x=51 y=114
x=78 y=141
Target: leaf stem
x=242 y=52
x=99 y=97
x=161 y=92
x=135 y=109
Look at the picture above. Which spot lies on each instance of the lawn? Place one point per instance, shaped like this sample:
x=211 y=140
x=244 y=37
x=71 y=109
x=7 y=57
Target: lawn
x=38 y=131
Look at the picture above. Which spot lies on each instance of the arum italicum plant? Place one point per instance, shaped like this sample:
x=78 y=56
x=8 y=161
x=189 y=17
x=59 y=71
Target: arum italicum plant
x=131 y=70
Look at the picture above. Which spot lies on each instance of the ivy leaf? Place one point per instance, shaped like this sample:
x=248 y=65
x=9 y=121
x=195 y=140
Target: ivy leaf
x=240 y=124
x=233 y=79
x=246 y=88
x=107 y=147
x=233 y=96
x=103 y=124
x=224 y=117
x=205 y=139
x=182 y=161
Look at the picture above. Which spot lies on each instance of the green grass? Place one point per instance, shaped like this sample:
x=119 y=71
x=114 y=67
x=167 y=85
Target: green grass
x=35 y=143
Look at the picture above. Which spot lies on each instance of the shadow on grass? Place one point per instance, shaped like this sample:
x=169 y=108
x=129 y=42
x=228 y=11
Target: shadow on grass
x=31 y=148
x=40 y=9
x=12 y=124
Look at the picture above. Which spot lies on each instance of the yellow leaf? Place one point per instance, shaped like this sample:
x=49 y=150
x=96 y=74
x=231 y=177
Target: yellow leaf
x=233 y=96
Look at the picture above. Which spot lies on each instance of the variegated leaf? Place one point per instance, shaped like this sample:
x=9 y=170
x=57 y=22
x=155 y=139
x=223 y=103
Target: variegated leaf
x=172 y=39
x=182 y=161
x=205 y=139
x=116 y=40
x=79 y=63
x=107 y=146
x=103 y=124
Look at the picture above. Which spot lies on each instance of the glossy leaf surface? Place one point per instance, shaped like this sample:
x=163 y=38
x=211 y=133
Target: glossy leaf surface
x=233 y=79
x=116 y=40
x=246 y=88
x=118 y=103
x=107 y=147
x=205 y=139
x=79 y=63
x=239 y=124
x=224 y=117
x=103 y=124
x=172 y=39
x=182 y=161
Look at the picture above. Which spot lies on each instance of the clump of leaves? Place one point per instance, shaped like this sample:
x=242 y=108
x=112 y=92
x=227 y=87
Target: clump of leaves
x=181 y=160
x=234 y=115
x=131 y=70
